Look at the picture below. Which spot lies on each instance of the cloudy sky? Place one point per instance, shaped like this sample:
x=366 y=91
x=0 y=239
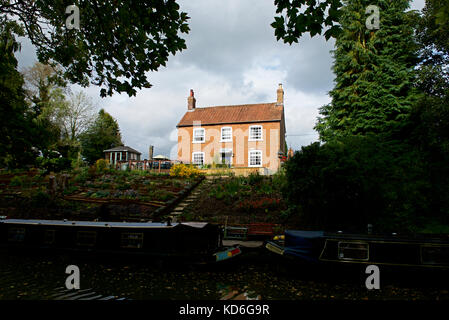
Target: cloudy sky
x=232 y=57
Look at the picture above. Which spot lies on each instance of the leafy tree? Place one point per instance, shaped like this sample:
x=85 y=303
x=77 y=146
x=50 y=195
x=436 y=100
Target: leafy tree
x=45 y=95
x=386 y=130
x=428 y=129
x=297 y=17
x=76 y=115
x=323 y=17
x=434 y=25
x=373 y=90
x=118 y=41
x=15 y=145
x=357 y=180
x=103 y=134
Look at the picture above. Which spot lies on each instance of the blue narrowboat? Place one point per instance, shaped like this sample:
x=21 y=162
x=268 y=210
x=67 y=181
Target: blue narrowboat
x=394 y=250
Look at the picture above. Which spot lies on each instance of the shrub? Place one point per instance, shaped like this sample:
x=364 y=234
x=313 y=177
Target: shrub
x=41 y=199
x=255 y=179
x=102 y=166
x=70 y=190
x=92 y=171
x=17 y=181
x=52 y=161
x=184 y=171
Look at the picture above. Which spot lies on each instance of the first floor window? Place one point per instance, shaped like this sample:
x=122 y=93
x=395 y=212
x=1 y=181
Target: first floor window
x=199 y=135
x=255 y=158
x=198 y=158
x=255 y=133
x=226 y=134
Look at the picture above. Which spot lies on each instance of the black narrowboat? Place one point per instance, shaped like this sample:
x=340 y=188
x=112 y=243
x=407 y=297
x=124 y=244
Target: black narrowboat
x=191 y=242
x=392 y=250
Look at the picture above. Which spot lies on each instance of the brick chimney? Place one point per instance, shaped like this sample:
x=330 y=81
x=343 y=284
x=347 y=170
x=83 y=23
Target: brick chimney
x=191 y=101
x=280 y=92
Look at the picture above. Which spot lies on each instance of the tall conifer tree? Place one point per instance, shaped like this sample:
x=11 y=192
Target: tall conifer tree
x=373 y=90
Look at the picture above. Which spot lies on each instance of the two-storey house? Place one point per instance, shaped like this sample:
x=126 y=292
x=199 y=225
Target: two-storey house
x=249 y=135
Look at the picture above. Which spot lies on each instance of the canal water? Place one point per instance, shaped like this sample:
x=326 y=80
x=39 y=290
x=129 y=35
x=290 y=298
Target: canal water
x=247 y=277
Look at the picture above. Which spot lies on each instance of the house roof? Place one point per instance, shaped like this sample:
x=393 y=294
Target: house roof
x=160 y=157
x=245 y=113
x=122 y=148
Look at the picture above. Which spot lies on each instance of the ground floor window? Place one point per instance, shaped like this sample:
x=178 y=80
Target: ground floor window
x=226 y=156
x=255 y=158
x=198 y=158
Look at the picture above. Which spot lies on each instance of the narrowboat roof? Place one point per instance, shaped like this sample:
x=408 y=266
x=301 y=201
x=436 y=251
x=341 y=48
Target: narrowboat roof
x=104 y=224
x=440 y=238
x=300 y=235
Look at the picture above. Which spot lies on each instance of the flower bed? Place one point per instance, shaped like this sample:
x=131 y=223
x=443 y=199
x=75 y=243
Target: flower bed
x=240 y=201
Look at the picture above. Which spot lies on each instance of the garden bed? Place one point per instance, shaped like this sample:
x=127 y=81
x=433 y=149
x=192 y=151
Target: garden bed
x=88 y=195
x=240 y=201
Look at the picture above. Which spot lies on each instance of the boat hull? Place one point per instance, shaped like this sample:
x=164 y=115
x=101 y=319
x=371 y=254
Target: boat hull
x=190 y=242
x=321 y=247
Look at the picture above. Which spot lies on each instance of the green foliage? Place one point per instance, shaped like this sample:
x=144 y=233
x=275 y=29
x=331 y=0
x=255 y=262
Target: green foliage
x=433 y=29
x=117 y=44
x=374 y=90
x=52 y=161
x=249 y=193
x=386 y=129
x=15 y=135
x=102 y=166
x=255 y=179
x=303 y=16
x=349 y=183
x=81 y=175
x=103 y=134
x=41 y=199
x=100 y=194
x=70 y=190
x=17 y=181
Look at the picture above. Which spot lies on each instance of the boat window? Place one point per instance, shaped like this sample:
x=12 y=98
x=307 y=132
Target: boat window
x=49 y=236
x=132 y=240
x=353 y=251
x=16 y=234
x=435 y=255
x=86 y=238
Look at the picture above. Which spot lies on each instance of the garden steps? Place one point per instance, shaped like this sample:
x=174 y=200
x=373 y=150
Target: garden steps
x=195 y=193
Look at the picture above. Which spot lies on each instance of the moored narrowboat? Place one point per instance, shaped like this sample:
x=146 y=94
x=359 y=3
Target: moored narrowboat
x=393 y=250
x=190 y=242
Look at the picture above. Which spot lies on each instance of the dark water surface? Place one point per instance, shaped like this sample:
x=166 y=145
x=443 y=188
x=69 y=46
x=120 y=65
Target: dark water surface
x=249 y=277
